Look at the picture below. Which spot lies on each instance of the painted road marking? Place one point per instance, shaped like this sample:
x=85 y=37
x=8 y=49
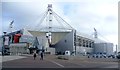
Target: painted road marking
x=55 y=63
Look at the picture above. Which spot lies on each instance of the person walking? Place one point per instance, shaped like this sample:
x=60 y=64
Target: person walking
x=41 y=54
x=34 y=55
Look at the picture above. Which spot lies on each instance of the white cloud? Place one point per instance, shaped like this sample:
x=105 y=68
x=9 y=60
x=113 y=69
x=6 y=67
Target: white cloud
x=103 y=15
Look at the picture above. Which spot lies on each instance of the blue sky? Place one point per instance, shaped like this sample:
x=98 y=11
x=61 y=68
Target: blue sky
x=83 y=15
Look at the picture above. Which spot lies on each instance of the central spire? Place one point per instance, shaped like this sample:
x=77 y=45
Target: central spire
x=53 y=22
x=49 y=7
x=50 y=16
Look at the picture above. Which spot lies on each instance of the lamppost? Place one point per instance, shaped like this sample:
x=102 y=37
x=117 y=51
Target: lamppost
x=116 y=50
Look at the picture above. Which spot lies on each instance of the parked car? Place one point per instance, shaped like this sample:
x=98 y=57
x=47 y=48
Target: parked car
x=104 y=56
x=118 y=56
x=94 y=56
x=111 y=56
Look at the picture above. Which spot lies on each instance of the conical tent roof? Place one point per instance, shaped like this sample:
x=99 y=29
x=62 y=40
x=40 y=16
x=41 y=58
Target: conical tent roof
x=50 y=21
x=26 y=32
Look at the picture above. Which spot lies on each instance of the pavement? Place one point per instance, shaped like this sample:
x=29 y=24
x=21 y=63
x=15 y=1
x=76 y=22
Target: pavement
x=9 y=58
x=51 y=61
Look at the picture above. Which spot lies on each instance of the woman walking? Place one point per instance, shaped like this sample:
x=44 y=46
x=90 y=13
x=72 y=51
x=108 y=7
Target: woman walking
x=41 y=54
x=34 y=55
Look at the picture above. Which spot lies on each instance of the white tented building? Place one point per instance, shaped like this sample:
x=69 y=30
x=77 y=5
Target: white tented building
x=72 y=41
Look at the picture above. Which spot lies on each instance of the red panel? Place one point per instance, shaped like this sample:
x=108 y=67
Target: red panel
x=16 y=38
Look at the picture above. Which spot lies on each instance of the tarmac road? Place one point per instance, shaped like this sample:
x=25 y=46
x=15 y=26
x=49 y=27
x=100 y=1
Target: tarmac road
x=50 y=61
